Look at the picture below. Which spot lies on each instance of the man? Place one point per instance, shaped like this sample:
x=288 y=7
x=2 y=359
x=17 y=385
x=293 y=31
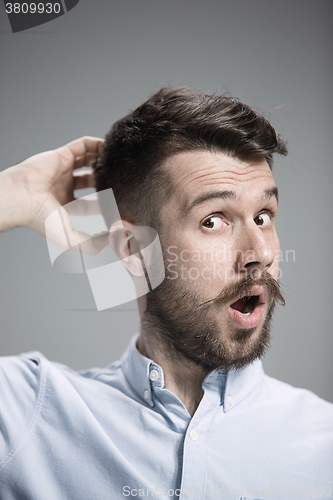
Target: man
x=188 y=411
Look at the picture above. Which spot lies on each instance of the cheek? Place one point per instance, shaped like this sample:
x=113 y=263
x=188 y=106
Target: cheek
x=204 y=270
x=275 y=267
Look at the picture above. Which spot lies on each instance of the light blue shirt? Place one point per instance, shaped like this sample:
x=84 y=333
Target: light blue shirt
x=117 y=433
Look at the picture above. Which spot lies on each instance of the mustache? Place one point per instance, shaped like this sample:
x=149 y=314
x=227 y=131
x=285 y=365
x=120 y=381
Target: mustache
x=244 y=287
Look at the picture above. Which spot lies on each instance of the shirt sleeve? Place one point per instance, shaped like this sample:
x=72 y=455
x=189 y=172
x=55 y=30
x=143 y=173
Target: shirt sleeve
x=19 y=389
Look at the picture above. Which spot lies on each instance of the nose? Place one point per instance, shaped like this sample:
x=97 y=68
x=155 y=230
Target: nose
x=256 y=250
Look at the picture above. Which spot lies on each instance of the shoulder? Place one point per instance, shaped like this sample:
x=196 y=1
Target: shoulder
x=22 y=383
x=287 y=390
x=300 y=403
x=19 y=372
x=32 y=388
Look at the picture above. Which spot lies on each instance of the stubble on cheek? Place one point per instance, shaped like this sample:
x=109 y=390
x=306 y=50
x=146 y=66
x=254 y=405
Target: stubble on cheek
x=205 y=273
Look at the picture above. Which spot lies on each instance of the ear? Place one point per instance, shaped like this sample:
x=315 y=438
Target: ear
x=124 y=243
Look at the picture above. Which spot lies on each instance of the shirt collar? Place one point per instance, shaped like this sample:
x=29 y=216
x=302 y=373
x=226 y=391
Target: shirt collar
x=241 y=382
x=137 y=369
x=145 y=375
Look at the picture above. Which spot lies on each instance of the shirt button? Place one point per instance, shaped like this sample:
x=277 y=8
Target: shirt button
x=146 y=394
x=193 y=435
x=153 y=375
x=230 y=400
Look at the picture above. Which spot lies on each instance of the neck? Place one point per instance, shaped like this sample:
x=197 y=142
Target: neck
x=182 y=377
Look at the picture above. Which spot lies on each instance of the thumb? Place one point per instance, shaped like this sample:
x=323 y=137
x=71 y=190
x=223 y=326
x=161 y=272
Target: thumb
x=60 y=231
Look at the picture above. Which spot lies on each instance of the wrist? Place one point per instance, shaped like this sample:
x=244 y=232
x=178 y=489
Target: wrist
x=14 y=199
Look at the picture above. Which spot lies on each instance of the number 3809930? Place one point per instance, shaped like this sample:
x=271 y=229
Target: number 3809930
x=33 y=8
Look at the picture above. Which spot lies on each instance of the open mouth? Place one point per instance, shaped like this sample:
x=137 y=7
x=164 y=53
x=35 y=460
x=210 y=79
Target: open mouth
x=246 y=304
x=247 y=311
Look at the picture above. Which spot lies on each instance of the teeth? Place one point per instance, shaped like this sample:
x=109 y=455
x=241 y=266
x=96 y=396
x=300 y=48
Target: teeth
x=249 y=305
x=248 y=309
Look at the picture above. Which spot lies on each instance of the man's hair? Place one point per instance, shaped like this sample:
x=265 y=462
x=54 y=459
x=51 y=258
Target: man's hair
x=174 y=120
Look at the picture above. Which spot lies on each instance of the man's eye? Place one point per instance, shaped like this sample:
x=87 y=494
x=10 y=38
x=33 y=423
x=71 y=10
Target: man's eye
x=262 y=219
x=214 y=222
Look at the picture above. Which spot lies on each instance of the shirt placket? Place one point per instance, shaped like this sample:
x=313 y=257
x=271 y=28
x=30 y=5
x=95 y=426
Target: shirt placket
x=193 y=486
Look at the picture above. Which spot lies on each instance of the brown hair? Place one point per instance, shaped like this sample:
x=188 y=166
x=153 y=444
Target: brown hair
x=176 y=119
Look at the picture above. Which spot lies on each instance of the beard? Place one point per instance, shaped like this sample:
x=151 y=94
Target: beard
x=180 y=323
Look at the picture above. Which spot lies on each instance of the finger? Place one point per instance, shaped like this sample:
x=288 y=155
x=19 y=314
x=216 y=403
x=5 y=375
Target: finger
x=86 y=160
x=79 y=147
x=84 y=145
x=80 y=240
x=82 y=207
x=60 y=231
x=83 y=180
x=91 y=245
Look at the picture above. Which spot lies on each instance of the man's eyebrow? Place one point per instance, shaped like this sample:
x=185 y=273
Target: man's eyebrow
x=270 y=193
x=209 y=196
x=223 y=195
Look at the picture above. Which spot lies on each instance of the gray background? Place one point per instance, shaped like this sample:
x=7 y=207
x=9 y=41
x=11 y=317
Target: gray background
x=77 y=74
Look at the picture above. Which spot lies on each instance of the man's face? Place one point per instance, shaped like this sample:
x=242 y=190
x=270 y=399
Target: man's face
x=218 y=230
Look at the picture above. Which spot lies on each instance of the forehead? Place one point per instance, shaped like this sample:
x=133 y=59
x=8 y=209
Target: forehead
x=201 y=172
